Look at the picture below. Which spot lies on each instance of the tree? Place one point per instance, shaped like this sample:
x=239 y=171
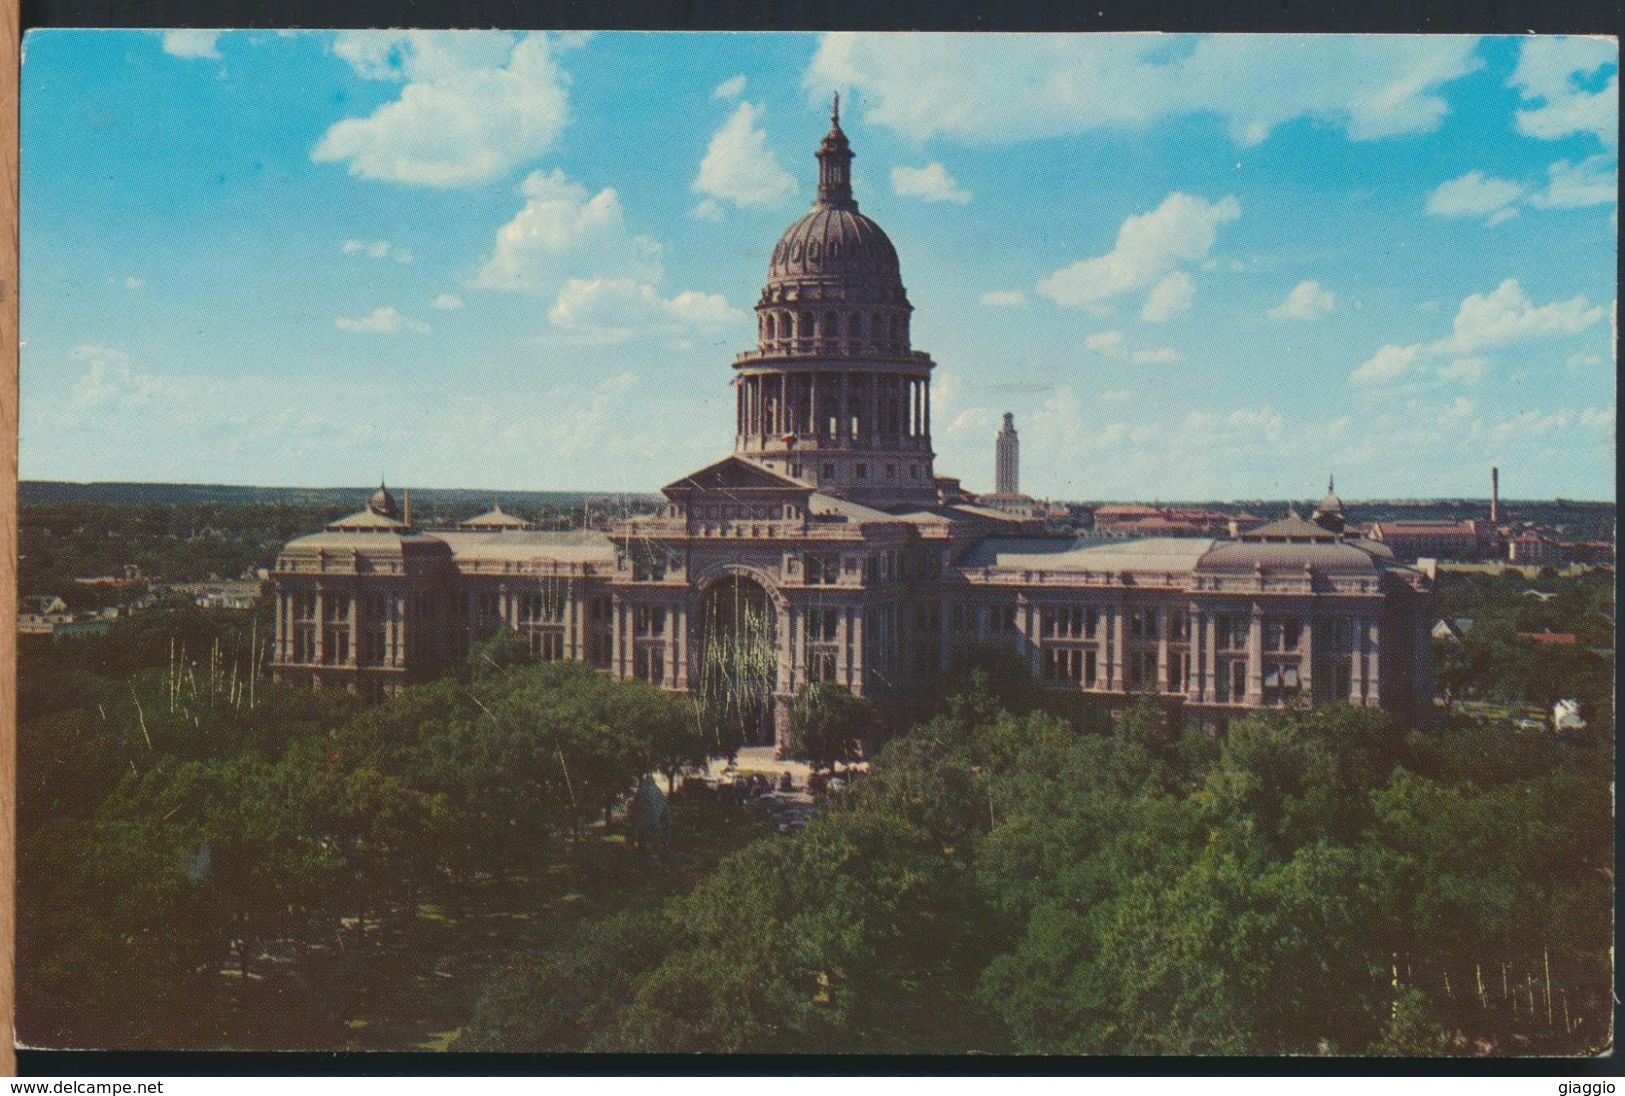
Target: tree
x=828 y=725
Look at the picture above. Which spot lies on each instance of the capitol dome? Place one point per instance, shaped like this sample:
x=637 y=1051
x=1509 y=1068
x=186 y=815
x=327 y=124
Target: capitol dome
x=839 y=244
x=834 y=394
x=834 y=285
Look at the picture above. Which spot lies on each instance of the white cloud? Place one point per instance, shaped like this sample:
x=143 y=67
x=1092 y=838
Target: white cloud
x=707 y=210
x=731 y=88
x=739 y=167
x=604 y=279
x=1113 y=344
x=1550 y=71
x=130 y=281
x=474 y=105
x=376 y=249
x=192 y=44
x=1307 y=302
x=930 y=183
x=615 y=309
x=1593 y=181
x=1005 y=298
x=1484 y=321
x=1055 y=85
x=1506 y=314
x=1172 y=296
x=1149 y=246
x=110 y=380
x=970 y=422
x=381 y=321
x=1473 y=195
x=447 y=302
x=560 y=233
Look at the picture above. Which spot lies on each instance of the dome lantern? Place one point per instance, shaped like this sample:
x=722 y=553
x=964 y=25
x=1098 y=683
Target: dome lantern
x=835 y=164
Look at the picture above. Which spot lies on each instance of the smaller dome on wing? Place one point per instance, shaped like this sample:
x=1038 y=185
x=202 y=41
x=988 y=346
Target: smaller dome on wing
x=1329 y=510
x=382 y=502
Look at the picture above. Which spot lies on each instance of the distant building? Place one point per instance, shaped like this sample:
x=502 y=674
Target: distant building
x=1452 y=631
x=826 y=548
x=1449 y=540
x=238 y=594
x=1007 y=459
x=1551 y=639
x=39 y=614
x=1566 y=716
x=1533 y=547
x=1134 y=520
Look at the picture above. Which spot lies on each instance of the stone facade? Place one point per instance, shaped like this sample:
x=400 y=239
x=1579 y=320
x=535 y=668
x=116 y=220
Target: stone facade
x=826 y=549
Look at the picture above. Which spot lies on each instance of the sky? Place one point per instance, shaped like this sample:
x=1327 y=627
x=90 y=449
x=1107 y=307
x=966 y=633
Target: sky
x=1217 y=267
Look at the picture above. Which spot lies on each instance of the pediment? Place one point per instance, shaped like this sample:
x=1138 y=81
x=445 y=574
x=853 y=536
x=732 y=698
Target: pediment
x=733 y=475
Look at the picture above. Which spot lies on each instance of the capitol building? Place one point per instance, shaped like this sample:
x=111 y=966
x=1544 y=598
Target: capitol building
x=827 y=548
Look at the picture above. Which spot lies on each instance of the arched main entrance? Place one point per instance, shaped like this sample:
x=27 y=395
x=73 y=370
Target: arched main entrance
x=739 y=660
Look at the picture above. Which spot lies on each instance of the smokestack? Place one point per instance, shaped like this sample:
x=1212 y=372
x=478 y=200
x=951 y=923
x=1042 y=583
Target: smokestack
x=406 y=509
x=1495 y=496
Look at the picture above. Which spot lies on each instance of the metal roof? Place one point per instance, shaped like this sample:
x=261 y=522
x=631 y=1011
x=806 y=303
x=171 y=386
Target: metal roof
x=1149 y=554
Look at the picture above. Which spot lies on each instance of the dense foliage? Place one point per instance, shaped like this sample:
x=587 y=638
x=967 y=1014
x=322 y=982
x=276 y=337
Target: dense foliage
x=182 y=837
x=207 y=859
x=1318 y=882
x=1490 y=662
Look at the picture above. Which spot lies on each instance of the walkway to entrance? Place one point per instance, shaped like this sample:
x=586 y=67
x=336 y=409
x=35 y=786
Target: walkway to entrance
x=761 y=759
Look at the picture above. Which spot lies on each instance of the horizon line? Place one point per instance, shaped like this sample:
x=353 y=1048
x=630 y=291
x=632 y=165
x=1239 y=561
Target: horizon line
x=1505 y=500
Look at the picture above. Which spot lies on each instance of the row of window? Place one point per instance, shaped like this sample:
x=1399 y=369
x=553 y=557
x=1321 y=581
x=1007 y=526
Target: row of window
x=802 y=325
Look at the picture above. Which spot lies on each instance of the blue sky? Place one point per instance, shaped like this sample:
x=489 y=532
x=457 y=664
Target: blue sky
x=1217 y=267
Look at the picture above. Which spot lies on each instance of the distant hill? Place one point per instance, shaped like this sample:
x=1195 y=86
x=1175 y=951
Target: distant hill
x=45 y=491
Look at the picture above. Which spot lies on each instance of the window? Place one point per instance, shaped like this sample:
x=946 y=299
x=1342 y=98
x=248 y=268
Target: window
x=1090 y=669
x=1063 y=664
x=649 y=664
x=891 y=471
x=820 y=665
x=821 y=569
x=547 y=646
x=829 y=470
x=821 y=625
x=913 y=471
x=863 y=470
x=648 y=564
x=1066 y=622
x=1142 y=670
x=648 y=620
